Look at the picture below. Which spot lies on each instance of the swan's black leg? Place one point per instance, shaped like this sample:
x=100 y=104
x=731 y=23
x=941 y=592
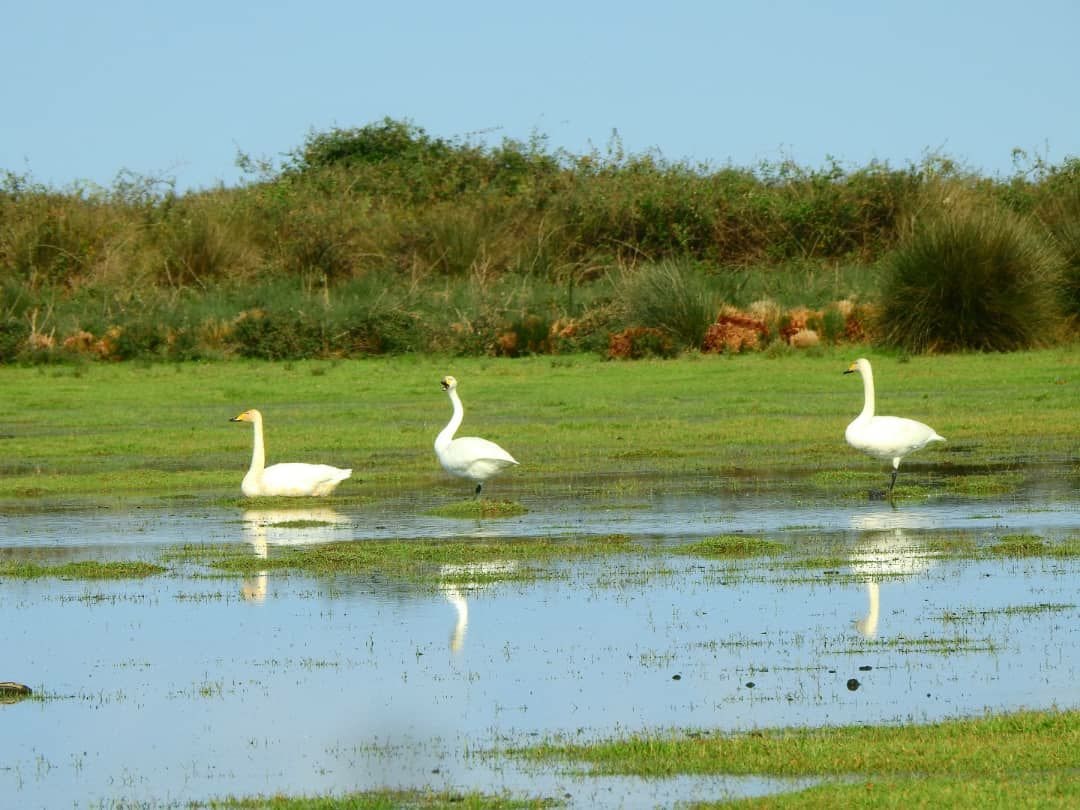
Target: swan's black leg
x=892 y=483
x=478 y=488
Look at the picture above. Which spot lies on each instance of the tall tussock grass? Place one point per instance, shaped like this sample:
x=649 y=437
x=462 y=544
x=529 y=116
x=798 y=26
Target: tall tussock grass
x=672 y=296
x=465 y=248
x=971 y=279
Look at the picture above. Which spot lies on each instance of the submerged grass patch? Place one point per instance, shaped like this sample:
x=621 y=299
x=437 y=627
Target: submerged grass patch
x=1032 y=545
x=479 y=508
x=86 y=569
x=13 y=692
x=1020 y=745
x=733 y=546
x=1009 y=791
x=380 y=800
x=424 y=561
x=1039 y=609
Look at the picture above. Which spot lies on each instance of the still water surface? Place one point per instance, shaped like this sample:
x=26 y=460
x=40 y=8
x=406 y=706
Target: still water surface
x=188 y=686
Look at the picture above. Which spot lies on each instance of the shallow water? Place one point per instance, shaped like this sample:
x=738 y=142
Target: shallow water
x=192 y=686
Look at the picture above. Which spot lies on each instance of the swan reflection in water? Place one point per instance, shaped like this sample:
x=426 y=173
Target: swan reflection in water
x=884 y=551
x=286 y=527
x=458 y=581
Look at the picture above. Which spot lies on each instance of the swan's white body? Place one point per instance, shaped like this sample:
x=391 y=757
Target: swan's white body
x=284 y=479
x=886 y=437
x=468 y=457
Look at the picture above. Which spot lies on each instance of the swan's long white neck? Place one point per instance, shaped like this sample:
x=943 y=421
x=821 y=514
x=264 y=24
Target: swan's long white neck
x=868 y=391
x=447 y=434
x=258 y=454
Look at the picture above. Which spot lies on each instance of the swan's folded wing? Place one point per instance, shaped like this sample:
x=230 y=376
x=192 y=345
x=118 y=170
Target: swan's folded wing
x=302 y=479
x=897 y=436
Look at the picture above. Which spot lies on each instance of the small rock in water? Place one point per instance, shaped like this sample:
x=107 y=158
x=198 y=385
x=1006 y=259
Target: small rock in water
x=865 y=668
x=676 y=677
x=853 y=684
x=749 y=684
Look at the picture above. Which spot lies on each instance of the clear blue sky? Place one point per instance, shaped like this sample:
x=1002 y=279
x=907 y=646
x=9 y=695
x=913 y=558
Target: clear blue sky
x=177 y=89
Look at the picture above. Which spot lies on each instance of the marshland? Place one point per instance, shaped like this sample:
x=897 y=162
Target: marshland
x=690 y=590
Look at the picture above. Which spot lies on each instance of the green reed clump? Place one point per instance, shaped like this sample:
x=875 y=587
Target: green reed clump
x=970 y=279
x=672 y=296
x=13 y=335
x=1062 y=217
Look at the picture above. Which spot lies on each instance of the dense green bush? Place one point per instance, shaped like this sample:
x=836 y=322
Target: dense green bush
x=671 y=296
x=384 y=238
x=978 y=279
x=13 y=335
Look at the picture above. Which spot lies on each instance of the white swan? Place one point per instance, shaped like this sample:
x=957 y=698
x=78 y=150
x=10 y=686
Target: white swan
x=468 y=457
x=885 y=437
x=284 y=479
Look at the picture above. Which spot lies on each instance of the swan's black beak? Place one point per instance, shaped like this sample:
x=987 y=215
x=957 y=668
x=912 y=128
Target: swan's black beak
x=849 y=371
x=235 y=419
x=443 y=385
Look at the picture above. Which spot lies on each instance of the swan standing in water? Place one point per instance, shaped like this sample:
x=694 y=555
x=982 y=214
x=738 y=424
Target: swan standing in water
x=886 y=437
x=284 y=479
x=468 y=457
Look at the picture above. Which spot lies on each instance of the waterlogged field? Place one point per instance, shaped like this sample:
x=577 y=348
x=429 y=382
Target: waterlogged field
x=659 y=573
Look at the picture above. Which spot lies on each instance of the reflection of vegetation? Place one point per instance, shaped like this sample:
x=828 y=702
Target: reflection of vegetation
x=1039 y=609
x=300 y=524
x=924 y=644
x=87 y=569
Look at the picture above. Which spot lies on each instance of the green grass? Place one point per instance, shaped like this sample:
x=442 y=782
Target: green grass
x=379 y=800
x=1036 y=791
x=479 y=508
x=577 y=424
x=13 y=692
x=996 y=757
x=87 y=569
x=419 y=561
x=1032 y=545
x=734 y=545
